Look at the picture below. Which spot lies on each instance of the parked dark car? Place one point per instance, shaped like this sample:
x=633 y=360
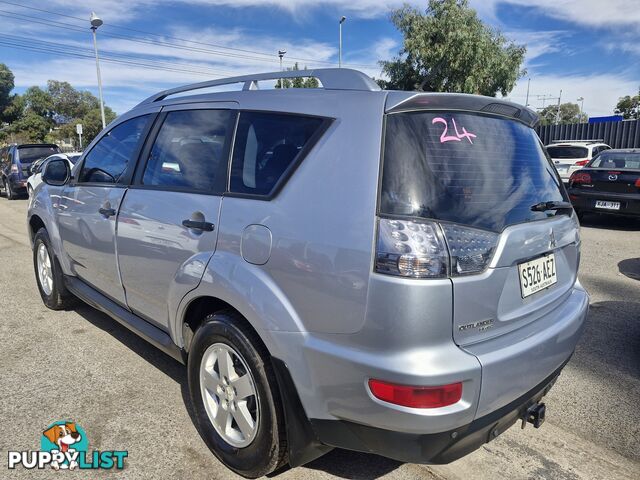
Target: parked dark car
x=609 y=184
x=16 y=163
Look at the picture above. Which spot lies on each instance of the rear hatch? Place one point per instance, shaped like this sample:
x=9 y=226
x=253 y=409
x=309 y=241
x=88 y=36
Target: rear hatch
x=565 y=156
x=474 y=178
x=27 y=154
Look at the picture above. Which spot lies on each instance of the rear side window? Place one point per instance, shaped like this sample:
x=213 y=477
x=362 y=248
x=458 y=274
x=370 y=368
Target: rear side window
x=108 y=159
x=267 y=146
x=568 y=152
x=476 y=170
x=189 y=151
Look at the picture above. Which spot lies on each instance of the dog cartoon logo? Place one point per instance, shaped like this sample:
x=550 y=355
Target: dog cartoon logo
x=66 y=438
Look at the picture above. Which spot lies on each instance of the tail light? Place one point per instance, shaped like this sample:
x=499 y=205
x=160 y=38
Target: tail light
x=638 y=182
x=416 y=397
x=580 y=178
x=582 y=163
x=14 y=168
x=429 y=250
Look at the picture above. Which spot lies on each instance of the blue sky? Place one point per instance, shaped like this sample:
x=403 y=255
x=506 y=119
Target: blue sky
x=588 y=48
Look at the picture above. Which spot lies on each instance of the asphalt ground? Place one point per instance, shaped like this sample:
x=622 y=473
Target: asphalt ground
x=81 y=365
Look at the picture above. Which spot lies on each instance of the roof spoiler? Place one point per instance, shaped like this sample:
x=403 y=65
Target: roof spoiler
x=404 y=101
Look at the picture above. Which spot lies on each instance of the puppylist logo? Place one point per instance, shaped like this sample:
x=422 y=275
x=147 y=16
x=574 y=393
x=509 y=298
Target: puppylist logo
x=65 y=446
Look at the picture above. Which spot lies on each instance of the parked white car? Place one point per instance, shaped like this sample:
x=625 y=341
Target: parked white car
x=35 y=178
x=571 y=155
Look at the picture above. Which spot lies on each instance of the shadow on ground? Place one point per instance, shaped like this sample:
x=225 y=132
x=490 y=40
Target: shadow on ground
x=610 y=222
x=630 y=267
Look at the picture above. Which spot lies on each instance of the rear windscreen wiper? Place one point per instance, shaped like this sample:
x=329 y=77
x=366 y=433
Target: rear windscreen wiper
x=544 y=206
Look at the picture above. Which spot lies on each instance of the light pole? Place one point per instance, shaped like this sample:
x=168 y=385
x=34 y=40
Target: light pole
x=281 y=55
x=95 y=23
x=581 y=100
x=558 y=111
x=342 y=19
x=526 y=104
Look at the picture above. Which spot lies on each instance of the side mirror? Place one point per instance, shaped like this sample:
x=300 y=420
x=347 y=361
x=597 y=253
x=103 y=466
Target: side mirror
x=56 y=172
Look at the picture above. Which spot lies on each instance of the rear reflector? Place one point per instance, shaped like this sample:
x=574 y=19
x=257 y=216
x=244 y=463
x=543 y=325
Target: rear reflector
x=416 y=397
x=582 y=163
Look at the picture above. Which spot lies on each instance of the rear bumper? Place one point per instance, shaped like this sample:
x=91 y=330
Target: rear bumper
x=436 y=448
x=586 y=202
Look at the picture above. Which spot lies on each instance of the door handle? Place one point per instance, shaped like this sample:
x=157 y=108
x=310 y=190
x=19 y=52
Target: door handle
x=107 y=212
x=196 y=225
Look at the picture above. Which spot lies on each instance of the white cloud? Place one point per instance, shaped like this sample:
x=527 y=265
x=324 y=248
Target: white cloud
x=600 y=91
x=593 y=13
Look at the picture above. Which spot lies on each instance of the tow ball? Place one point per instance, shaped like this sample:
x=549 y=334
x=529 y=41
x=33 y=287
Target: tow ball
x=534 y=415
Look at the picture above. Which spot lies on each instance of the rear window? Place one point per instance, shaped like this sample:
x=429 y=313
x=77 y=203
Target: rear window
x=617 y=161
x=568 y=152
x=31 y=154
x=471 y=169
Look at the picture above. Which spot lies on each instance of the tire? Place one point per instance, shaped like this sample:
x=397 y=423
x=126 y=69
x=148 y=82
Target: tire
x=264 y=449
x=2 y=187
x=52 y=289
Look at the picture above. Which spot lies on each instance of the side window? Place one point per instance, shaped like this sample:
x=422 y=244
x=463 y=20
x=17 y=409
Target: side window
x=108 y=159
x=266 y=145
x=190 y=151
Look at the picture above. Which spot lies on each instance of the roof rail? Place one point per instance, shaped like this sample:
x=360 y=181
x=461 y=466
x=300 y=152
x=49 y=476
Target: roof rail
x=585 y=140
x=330 y=78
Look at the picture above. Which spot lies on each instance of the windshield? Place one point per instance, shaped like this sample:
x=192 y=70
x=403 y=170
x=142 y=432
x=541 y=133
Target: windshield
x=30 y=154
x=568 y=152
x=472 y=169
x=617 y=160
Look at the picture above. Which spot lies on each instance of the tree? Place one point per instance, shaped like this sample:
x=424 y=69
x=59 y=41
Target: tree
x=6 y=85
x=300 y=82
x=30 y=128
x=629 y=106
x=569 y=113
x=449 y=49
x=68 y=102
x=91 y=125
x=40 y=102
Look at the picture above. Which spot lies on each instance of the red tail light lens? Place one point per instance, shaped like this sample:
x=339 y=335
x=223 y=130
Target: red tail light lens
x=580 y=178
x=582 y=163
x=416 y=397
x=638 y=182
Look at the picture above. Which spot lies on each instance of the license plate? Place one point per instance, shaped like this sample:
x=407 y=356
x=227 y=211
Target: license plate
x=607 y=205
x=537 y=274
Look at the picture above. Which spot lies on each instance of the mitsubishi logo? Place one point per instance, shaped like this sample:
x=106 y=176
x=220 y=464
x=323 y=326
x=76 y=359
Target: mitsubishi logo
x=552 y=240
x=613 y=177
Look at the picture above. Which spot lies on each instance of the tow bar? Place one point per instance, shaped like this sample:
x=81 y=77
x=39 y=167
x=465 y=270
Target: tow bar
x=534 y=415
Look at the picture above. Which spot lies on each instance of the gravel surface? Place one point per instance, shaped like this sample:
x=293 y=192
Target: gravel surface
x=82 y=365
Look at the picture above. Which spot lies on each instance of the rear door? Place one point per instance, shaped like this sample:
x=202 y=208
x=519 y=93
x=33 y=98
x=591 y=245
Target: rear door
x=168 y=221
x=480 y=176
x=88 y=207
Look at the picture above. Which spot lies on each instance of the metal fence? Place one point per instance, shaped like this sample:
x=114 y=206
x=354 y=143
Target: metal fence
x=624 y=134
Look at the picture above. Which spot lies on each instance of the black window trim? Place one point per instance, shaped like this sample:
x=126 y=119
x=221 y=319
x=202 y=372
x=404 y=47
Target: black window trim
x=289 y=171
x=125 y=179
x=135 y=182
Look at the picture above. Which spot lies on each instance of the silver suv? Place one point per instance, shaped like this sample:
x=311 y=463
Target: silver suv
x=387 y=272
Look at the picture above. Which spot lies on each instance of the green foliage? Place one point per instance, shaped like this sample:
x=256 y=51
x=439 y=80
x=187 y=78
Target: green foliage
x=6 y=85
x=569 y=113
x=629 y=106
x=309 y=82
x=29 y=128
x=49 y=114
x=449 y=49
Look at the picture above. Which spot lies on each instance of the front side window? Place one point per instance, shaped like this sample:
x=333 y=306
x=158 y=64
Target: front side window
x=108 y=159
x=190 y=151
x=267 y=146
